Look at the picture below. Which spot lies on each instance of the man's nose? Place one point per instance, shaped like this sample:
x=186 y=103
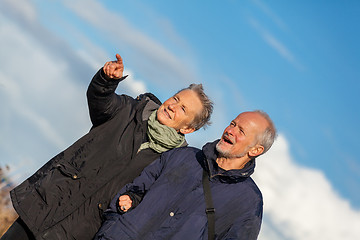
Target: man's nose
x=229 y=130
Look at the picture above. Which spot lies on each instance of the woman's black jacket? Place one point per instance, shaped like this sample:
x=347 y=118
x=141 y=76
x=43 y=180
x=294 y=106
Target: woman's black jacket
x=64 y=199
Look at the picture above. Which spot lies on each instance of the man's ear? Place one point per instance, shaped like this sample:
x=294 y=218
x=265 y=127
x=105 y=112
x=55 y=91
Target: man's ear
x=256 y=150
x=187 y=130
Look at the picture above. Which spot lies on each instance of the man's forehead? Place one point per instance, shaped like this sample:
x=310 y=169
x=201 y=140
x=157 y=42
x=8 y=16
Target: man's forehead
x=244 y=116
x=251 y=118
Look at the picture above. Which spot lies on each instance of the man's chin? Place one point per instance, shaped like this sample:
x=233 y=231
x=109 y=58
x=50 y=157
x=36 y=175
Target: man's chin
x=223 y=145
x=226 y=152
x=222 y=152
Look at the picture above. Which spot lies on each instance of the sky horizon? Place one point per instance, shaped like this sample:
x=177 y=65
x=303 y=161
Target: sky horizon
x=299 y=61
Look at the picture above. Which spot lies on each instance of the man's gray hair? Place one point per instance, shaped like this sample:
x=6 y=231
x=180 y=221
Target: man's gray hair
x=202 y=119
x=267 y=138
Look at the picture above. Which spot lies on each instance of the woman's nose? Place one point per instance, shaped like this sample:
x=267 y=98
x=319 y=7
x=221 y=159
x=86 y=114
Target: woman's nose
x=172 y=106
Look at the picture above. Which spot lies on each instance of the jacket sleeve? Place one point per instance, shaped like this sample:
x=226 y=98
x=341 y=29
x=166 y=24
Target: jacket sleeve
x=142 y=183
x=243 y=229
x=103 y=102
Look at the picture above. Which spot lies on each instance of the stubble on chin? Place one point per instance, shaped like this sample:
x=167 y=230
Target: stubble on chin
x=221 y=152
x=226 y=153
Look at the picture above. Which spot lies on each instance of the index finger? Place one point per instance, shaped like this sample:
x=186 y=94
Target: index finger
x=118 y=57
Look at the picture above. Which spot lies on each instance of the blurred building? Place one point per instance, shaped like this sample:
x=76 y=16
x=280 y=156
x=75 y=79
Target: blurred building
x=7 y=213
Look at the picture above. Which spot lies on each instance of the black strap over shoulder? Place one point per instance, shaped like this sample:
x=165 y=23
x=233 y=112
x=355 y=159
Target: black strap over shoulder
x=210 y=210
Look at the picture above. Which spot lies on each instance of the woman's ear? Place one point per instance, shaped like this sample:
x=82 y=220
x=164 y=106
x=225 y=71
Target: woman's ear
x=187 y=130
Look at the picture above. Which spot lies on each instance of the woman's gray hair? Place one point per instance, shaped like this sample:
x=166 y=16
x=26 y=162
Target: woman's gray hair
x=267 y=138
x=202 y=119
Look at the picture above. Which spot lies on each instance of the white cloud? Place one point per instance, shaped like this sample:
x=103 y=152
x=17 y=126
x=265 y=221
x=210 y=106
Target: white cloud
x=23 y=8
x=136 y=86
x=300 y=203
x=276 y=44
x=276 y=19
x=29 y=77
x=43 y=106
x=150 y=57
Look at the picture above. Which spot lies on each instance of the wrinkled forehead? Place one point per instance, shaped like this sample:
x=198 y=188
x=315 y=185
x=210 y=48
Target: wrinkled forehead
x=252 y=120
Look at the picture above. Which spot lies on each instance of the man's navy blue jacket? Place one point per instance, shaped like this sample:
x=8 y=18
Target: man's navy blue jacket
x=173 y=205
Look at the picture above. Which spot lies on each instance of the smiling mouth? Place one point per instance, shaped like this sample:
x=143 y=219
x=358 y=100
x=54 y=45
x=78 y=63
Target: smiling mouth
x=226 y=139
x=166 y=113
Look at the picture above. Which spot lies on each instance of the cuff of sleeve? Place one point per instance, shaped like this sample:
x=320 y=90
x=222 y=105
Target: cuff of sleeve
x=135 y=201
x=115 y=80
x=118 y=208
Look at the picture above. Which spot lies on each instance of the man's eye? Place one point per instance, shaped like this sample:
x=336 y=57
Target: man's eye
x=242 y=131
x=183 y=108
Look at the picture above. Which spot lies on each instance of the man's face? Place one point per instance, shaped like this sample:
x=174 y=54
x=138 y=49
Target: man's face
x=240 y=136
x=180 y=110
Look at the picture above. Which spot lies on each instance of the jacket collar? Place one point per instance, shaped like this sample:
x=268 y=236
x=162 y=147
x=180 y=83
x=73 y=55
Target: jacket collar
x=210 y=165
x=149 y=108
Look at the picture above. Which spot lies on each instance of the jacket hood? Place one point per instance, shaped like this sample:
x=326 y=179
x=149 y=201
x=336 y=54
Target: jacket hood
x=208 y=162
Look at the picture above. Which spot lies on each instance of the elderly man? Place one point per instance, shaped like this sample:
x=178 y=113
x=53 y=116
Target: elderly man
x=66 y=197
x=167 y=200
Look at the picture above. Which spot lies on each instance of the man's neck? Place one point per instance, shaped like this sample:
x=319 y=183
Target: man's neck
x=232 y=163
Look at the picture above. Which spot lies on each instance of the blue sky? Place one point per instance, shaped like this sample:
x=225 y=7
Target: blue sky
x=297 y=60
